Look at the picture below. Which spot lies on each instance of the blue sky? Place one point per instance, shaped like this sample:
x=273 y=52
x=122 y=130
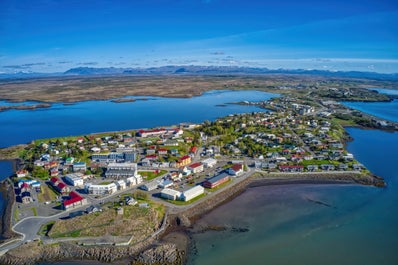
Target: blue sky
x=55 y=35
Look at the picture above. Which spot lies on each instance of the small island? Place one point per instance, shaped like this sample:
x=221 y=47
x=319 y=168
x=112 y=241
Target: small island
x=127 y=193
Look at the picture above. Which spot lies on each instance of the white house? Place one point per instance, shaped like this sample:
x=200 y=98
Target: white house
x=235 y=170
x=170 y=194
x=132 y=181
x=209 y=162
x=101 y=189
x=196 y=167
x=192 y=193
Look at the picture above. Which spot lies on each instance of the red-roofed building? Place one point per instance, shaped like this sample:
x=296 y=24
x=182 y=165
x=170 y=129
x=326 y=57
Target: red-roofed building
x=235 y=170
x=74 y=200
x=148 y=133
x=59 y=185
x=22 y=173
x=54 y=181
x=162 y=151
x=196 y=167
x=25 y=187
x=62 y=188
x=185 y=160
x=193 y=149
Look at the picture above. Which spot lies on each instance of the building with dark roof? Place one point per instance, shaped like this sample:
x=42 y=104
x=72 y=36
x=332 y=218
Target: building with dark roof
x=216 y=180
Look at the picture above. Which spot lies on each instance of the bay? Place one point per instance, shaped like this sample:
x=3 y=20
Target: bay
x=384 y=110
x=23 y=126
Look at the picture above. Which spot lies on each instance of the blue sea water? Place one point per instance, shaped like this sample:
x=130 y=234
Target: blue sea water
x=385 y=110
x=287 y=227
x=22 y=126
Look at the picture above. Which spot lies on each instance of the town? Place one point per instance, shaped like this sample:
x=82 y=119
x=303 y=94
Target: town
x=175 y=166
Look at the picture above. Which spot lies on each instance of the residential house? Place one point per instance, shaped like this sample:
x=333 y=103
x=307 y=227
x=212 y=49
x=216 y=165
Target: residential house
x=162 y=151
x=235 y=170
x=357 y=167
x=22 y=173
x=59 y=185
x=327 y=167
x=312 y=168
x=196 y=167
x=343 y=166
x=289 y=168
x=26 y=197
x=79 y=166
x=183 y=161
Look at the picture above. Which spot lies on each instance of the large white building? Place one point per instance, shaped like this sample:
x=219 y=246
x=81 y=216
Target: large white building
x=101 y=189
x=192 y=193
x=121 y=170
x=150 y=185
x=135 y=180
x=170 y=194
x=75 y=179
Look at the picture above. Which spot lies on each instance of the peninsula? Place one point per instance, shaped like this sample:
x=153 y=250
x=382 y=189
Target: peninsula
x=122 y=195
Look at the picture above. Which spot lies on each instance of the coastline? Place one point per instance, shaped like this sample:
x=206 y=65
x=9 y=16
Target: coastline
x=179 y=224
x=7 y=191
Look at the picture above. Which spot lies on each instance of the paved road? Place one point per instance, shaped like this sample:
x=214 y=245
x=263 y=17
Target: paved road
x=29 y=228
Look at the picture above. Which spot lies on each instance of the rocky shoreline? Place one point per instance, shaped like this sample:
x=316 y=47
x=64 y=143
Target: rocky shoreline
x=7 y=191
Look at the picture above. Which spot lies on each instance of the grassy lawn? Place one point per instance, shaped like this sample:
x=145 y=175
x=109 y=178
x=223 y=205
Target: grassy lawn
x=136 y=221
x=34 y=210
x=44 y=229
x=46 y=194
x=151 y=175
x=105 y=183
x=16 y=214
x=320 y=162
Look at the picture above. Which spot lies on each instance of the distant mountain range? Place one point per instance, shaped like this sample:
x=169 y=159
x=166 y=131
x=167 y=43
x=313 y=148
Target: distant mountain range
x=201 y=70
